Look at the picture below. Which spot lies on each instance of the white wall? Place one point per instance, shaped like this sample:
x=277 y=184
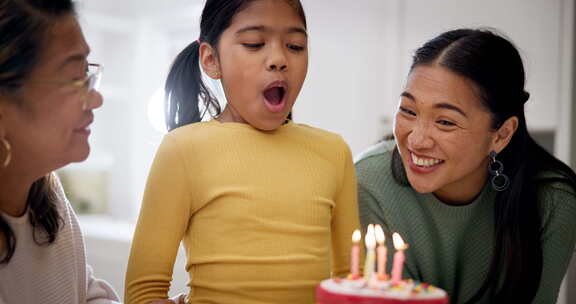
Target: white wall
x=348 y=87
x=136 y=49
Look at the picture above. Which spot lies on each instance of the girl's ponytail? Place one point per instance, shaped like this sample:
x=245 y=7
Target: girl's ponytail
x=184 y=88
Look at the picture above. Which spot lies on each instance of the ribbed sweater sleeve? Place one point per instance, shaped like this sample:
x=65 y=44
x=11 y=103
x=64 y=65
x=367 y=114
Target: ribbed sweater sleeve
x=163 y=219
x=345 y=217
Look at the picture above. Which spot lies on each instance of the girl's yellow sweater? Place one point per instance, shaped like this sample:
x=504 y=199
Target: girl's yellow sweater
x=264 y=216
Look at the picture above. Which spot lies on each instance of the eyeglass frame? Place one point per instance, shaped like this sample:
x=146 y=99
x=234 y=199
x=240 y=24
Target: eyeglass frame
x=92 y=79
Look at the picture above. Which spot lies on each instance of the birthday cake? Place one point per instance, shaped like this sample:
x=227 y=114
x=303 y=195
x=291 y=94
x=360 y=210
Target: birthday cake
x=359 y=291
x=378 y=287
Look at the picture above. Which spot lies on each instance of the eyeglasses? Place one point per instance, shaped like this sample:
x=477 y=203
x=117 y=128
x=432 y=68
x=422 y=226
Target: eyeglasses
x=88 y=83
x=92 y=80
x=84 y=86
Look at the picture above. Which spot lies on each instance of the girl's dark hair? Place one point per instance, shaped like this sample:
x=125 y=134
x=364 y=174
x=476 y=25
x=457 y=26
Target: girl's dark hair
x=187 y=97
x=23 y=27
x=494 y=65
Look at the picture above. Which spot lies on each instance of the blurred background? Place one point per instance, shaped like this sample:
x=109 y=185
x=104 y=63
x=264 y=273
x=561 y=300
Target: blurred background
x=360 y=52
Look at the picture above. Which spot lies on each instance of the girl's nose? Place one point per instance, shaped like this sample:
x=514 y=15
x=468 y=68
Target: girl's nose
x=277 y=60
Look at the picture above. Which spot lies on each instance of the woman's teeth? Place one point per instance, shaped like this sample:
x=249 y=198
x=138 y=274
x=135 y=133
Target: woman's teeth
x=425 y=162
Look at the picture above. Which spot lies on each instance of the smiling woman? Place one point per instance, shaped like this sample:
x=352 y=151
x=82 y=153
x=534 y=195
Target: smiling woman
x=47 y=95
x=442 y=131
x=488 y=212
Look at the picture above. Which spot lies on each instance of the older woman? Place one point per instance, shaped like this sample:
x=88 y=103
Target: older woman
x=47 y=95
x=488 y=213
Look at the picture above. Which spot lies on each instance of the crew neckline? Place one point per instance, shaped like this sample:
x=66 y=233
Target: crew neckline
x=458 y=211
x=246 y=126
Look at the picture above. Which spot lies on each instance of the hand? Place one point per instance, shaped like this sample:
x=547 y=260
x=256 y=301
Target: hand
x=179 y=299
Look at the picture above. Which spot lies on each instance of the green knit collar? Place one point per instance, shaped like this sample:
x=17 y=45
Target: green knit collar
x=485 y=199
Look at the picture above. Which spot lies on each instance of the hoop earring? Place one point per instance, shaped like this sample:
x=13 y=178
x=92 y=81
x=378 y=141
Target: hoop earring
x=499 y=181
x=8 y=149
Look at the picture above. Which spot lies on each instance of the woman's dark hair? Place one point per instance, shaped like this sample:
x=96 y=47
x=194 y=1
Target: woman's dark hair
x=184 y=85
x=494 y=65
x=23 y=28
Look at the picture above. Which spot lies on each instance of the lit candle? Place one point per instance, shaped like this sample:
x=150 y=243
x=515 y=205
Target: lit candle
x=370 y=241
x=355 y=258
x=398 y=258
x=381 y=252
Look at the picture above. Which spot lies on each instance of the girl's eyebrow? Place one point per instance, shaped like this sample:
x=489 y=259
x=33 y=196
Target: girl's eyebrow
x=258 y=28
x=262 y=28
x=297 y=30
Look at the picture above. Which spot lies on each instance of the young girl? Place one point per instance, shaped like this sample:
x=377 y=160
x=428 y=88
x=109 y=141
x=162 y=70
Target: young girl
x=256 y=199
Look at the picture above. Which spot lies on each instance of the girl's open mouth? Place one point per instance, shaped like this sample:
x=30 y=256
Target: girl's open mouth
x=275 y=97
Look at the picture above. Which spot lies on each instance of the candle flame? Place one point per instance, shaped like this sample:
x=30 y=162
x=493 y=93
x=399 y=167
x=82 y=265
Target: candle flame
x=380 y=237
x=356 y=236
x=398 y=242
x=370 y=239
